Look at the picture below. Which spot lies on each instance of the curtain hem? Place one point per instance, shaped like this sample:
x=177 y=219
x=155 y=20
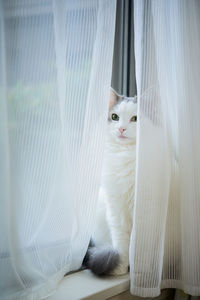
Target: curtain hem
x=165 y=284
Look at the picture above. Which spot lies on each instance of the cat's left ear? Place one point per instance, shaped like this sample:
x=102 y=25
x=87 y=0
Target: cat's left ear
x=114 y=97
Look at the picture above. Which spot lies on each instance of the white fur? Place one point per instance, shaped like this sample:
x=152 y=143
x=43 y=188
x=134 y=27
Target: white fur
x=116 y=197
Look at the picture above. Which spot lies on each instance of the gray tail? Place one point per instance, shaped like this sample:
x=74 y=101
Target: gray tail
x=101 y=260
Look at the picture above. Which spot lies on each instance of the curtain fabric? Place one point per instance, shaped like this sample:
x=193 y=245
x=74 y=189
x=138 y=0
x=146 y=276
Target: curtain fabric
x=165 y=242
x=55 y=76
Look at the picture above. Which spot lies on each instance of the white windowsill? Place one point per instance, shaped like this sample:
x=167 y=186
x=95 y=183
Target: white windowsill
x=84 y=285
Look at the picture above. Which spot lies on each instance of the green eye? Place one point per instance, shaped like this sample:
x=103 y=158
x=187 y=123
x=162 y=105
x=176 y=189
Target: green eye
x=134 y=119
x=115 y=117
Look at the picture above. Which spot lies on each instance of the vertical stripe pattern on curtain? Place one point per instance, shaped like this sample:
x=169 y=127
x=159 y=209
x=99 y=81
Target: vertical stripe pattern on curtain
x=165 y=244
x=55 y=76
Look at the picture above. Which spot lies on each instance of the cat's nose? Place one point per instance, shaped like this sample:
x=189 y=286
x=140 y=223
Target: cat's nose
x=121 y=129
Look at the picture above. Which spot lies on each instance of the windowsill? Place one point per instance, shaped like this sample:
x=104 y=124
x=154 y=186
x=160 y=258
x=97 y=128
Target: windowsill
x=84 y=285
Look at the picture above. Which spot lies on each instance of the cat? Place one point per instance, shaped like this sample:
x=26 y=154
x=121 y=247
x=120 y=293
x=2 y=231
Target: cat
x=108 y=252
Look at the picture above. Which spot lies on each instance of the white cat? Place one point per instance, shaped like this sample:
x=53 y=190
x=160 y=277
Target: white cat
x=109 y=251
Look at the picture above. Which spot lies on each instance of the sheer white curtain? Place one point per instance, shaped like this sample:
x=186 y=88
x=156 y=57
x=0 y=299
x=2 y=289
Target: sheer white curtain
x=55 y=74
x=165 y=244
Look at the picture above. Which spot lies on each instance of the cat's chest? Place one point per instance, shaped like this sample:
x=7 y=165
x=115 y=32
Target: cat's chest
x=119 y=163
x=119 y=169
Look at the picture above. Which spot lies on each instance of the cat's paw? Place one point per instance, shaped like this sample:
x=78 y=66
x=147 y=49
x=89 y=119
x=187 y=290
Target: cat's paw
x=121 y=269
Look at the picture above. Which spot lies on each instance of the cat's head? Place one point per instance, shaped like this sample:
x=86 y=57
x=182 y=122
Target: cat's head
x=122 y=118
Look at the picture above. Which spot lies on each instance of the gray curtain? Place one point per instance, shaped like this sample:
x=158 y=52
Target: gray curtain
x=123 y=73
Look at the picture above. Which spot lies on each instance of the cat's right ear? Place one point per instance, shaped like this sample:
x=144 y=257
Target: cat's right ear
x=114 y=97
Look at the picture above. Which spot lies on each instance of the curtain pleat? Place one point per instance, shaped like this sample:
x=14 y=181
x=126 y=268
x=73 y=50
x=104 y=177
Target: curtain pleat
x=55 y=76
x=165 y=243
